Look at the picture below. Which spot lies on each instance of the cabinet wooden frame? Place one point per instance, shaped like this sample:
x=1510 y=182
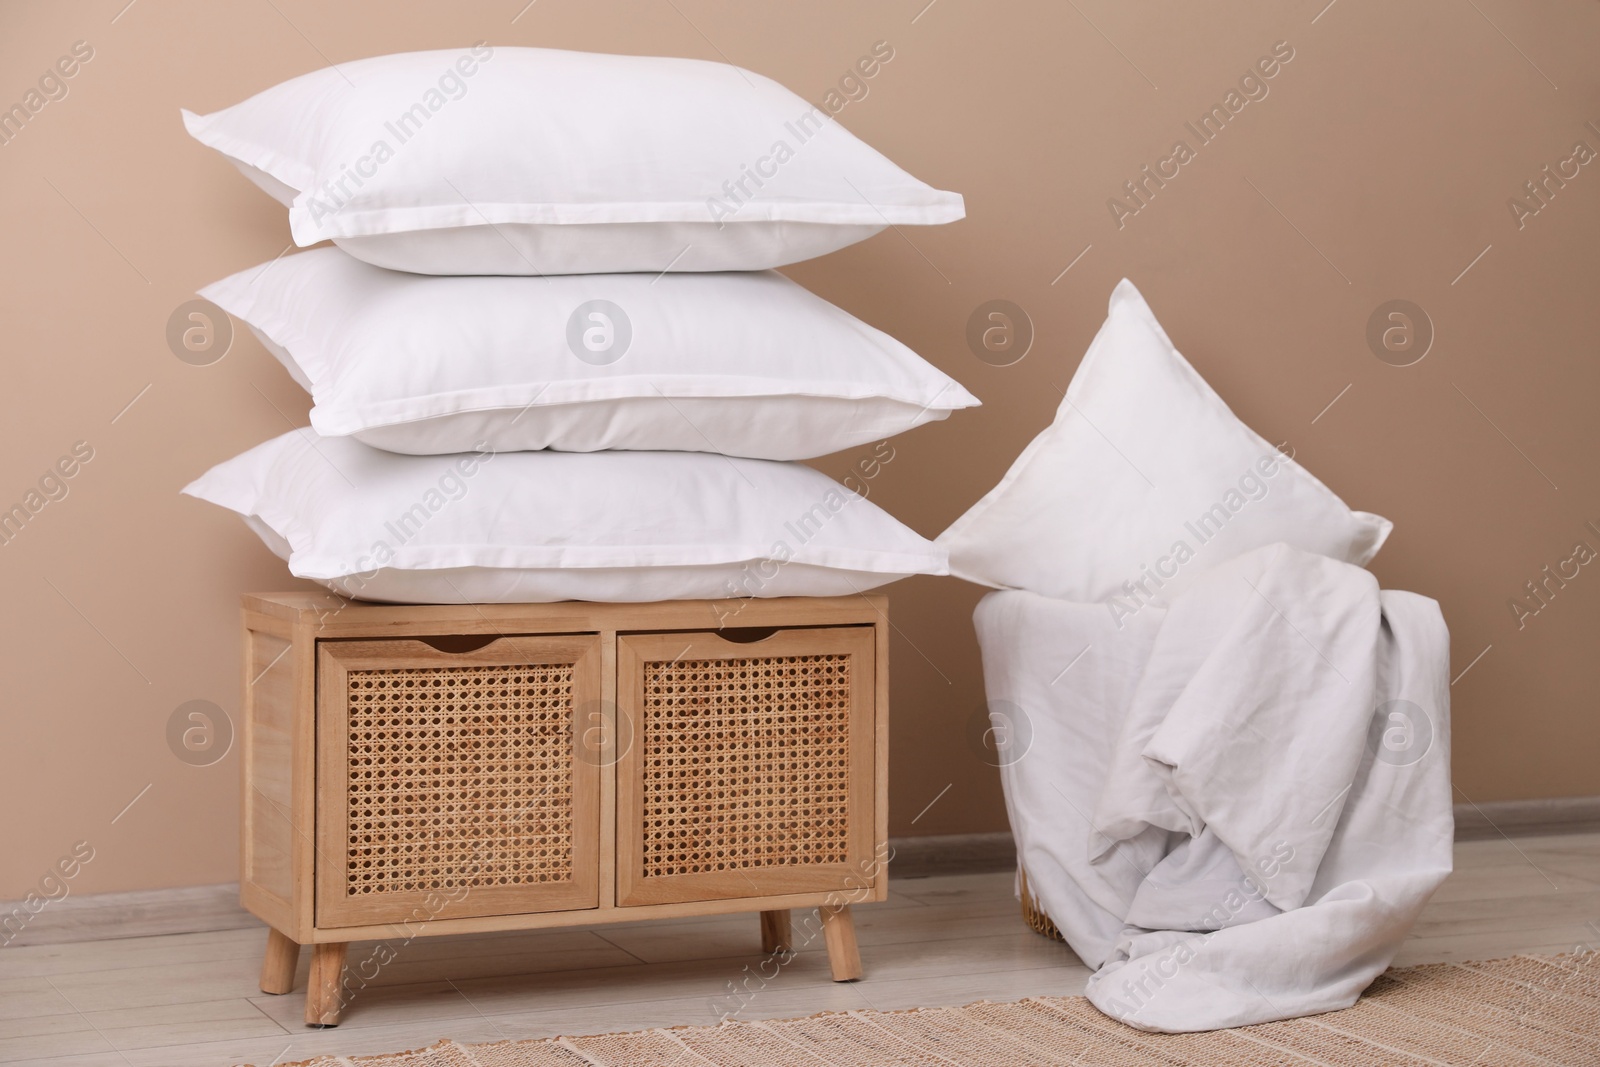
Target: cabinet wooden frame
x=282 y=807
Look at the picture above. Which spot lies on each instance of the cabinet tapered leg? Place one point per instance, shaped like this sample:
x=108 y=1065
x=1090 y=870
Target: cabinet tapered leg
x=278 y=967
x=324 y=1000
x=839 y=931
x=775 y=932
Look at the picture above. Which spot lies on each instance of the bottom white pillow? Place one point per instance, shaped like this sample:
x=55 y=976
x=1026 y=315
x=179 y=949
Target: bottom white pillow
x=534 y=527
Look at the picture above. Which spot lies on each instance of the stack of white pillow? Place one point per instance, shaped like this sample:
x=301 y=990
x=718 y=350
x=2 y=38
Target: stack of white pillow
x=549 y=357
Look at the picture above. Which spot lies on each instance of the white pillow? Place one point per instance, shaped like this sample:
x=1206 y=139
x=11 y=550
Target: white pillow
x=1145 y=479
x=533 y=527
x=746 y=364
x=488 y=160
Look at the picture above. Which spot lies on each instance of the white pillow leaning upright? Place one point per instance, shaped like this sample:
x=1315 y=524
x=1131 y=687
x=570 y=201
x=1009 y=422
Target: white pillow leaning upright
x=498 y=160
x=1144 y=480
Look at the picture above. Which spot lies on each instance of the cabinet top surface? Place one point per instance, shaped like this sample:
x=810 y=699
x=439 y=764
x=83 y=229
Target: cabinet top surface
x=334 y=616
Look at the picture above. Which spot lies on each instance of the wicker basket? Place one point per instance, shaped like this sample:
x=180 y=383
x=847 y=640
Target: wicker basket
x=1032 y=913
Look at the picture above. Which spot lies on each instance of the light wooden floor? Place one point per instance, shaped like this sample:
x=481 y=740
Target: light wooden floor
x=192 y=998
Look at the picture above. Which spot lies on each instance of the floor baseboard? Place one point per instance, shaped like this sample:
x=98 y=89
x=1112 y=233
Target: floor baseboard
x=919 y=857
x=1527 y=818
x=142 y=913
x=198 y=909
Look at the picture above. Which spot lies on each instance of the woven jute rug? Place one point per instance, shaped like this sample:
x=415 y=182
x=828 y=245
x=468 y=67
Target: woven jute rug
x=1529 y=1011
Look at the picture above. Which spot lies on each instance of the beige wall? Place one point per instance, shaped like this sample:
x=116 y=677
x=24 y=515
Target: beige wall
x=1388 y=148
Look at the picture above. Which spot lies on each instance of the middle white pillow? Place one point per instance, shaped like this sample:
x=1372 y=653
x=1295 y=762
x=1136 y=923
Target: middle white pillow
x=745 y=364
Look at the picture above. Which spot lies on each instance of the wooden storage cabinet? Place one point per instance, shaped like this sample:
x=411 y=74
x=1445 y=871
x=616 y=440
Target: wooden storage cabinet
x=421 y=770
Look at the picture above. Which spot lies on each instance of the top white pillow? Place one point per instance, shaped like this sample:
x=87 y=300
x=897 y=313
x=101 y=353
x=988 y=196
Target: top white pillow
x=1144 y=480
x=488 y=160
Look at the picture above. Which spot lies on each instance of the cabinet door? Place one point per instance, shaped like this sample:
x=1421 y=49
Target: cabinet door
x=449 y=784
x=749 y=769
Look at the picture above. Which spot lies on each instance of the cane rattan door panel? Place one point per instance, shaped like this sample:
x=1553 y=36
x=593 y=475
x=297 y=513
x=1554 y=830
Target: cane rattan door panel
x=748 y=764
x=450 y=784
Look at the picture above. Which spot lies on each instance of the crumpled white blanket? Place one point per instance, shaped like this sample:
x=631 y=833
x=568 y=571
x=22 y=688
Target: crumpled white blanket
x=1233 y=807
